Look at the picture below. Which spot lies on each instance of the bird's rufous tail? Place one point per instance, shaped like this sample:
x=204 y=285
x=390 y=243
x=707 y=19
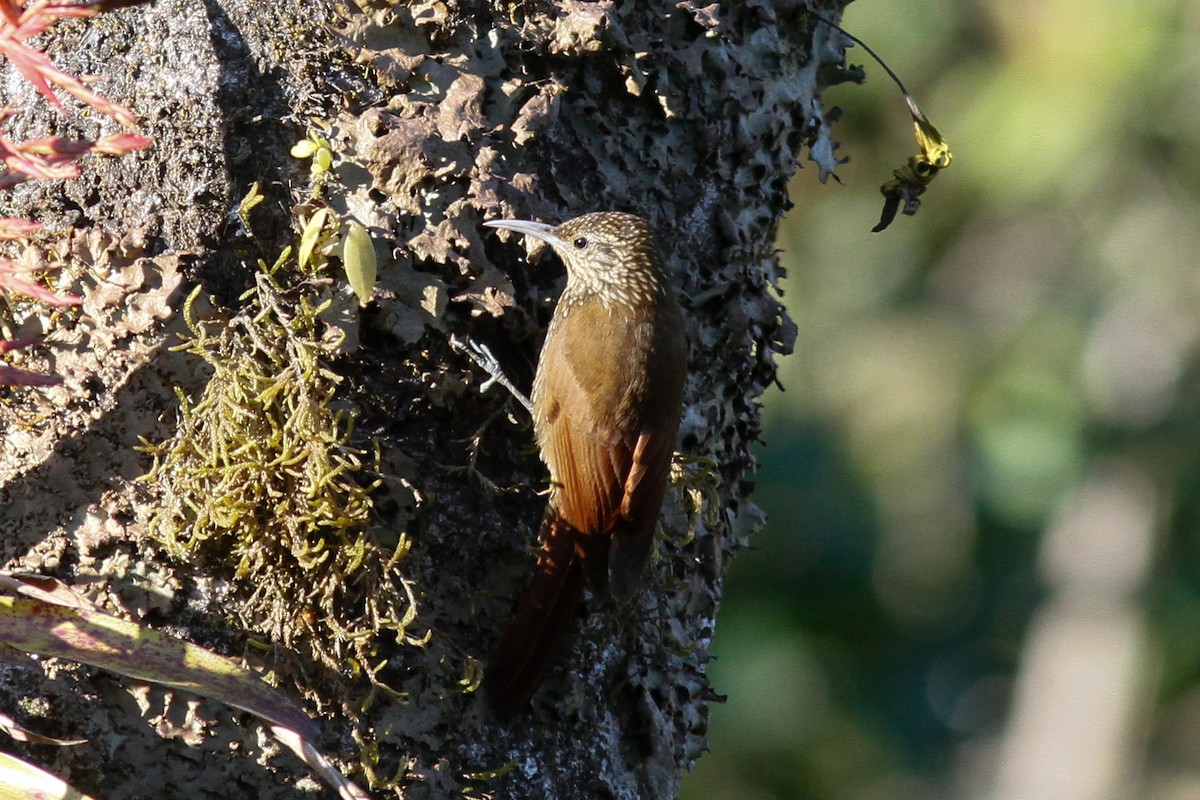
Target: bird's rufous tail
x=529 y=645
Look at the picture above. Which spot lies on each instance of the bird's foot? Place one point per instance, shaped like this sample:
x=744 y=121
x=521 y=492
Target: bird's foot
x=482 y=355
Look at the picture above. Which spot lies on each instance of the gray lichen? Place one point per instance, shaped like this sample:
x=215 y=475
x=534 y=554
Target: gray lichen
x=694 y=117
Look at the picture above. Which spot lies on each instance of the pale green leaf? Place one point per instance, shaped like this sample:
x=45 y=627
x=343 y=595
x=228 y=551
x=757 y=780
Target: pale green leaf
x=304 y=148
x=311 y=235
x=358 y=256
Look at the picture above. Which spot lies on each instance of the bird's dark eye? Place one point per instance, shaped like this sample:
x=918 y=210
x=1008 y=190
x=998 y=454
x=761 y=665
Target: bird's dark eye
x=580 y=243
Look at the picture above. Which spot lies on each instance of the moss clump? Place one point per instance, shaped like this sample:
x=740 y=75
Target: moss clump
x=698 y=482
x=260 y=476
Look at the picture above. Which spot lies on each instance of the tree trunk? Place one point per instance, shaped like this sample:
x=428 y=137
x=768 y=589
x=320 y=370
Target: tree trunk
x=693 y=117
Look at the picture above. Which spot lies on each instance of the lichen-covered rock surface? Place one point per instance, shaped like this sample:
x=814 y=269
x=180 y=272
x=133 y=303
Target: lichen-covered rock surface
x=440 y=115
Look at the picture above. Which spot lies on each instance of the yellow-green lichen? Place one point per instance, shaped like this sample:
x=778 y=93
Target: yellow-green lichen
x=260 y=476
x=698 y=480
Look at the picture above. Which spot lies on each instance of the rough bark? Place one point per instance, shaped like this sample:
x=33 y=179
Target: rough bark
x=694 y=117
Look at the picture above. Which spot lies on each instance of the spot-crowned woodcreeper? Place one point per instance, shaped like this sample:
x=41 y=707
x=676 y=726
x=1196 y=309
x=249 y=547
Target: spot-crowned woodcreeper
x=606 y=403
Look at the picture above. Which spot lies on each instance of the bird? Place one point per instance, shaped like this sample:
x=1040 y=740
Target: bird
x=607 y=398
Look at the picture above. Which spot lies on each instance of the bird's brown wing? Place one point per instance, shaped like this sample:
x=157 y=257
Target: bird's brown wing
x=589 y=461
x=588 y=493
x=649 y=471
x=645 y=485
x=590 y=389
x=608 y=433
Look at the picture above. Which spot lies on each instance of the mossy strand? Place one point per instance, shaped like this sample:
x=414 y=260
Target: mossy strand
x=261 y=476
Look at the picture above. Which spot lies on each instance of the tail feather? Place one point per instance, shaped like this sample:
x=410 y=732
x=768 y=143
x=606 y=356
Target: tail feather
x=544 y=612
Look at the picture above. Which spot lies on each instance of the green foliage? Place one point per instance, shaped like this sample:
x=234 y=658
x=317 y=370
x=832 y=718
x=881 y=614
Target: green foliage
x=316 y=147
x=956 y=381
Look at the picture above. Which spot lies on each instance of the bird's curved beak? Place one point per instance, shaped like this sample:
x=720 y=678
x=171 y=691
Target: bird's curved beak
x=538 y=230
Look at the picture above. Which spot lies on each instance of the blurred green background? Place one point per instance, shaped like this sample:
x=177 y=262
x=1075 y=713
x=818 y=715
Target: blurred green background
x=981 y=574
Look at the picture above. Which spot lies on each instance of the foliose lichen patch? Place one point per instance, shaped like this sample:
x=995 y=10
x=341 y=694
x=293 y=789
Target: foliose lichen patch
x=693 y=116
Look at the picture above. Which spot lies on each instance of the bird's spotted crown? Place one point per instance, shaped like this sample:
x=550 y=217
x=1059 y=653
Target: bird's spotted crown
x=611 y=255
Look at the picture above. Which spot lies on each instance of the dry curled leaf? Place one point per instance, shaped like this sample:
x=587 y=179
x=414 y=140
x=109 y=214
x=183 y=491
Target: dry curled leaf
x=51 y=619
